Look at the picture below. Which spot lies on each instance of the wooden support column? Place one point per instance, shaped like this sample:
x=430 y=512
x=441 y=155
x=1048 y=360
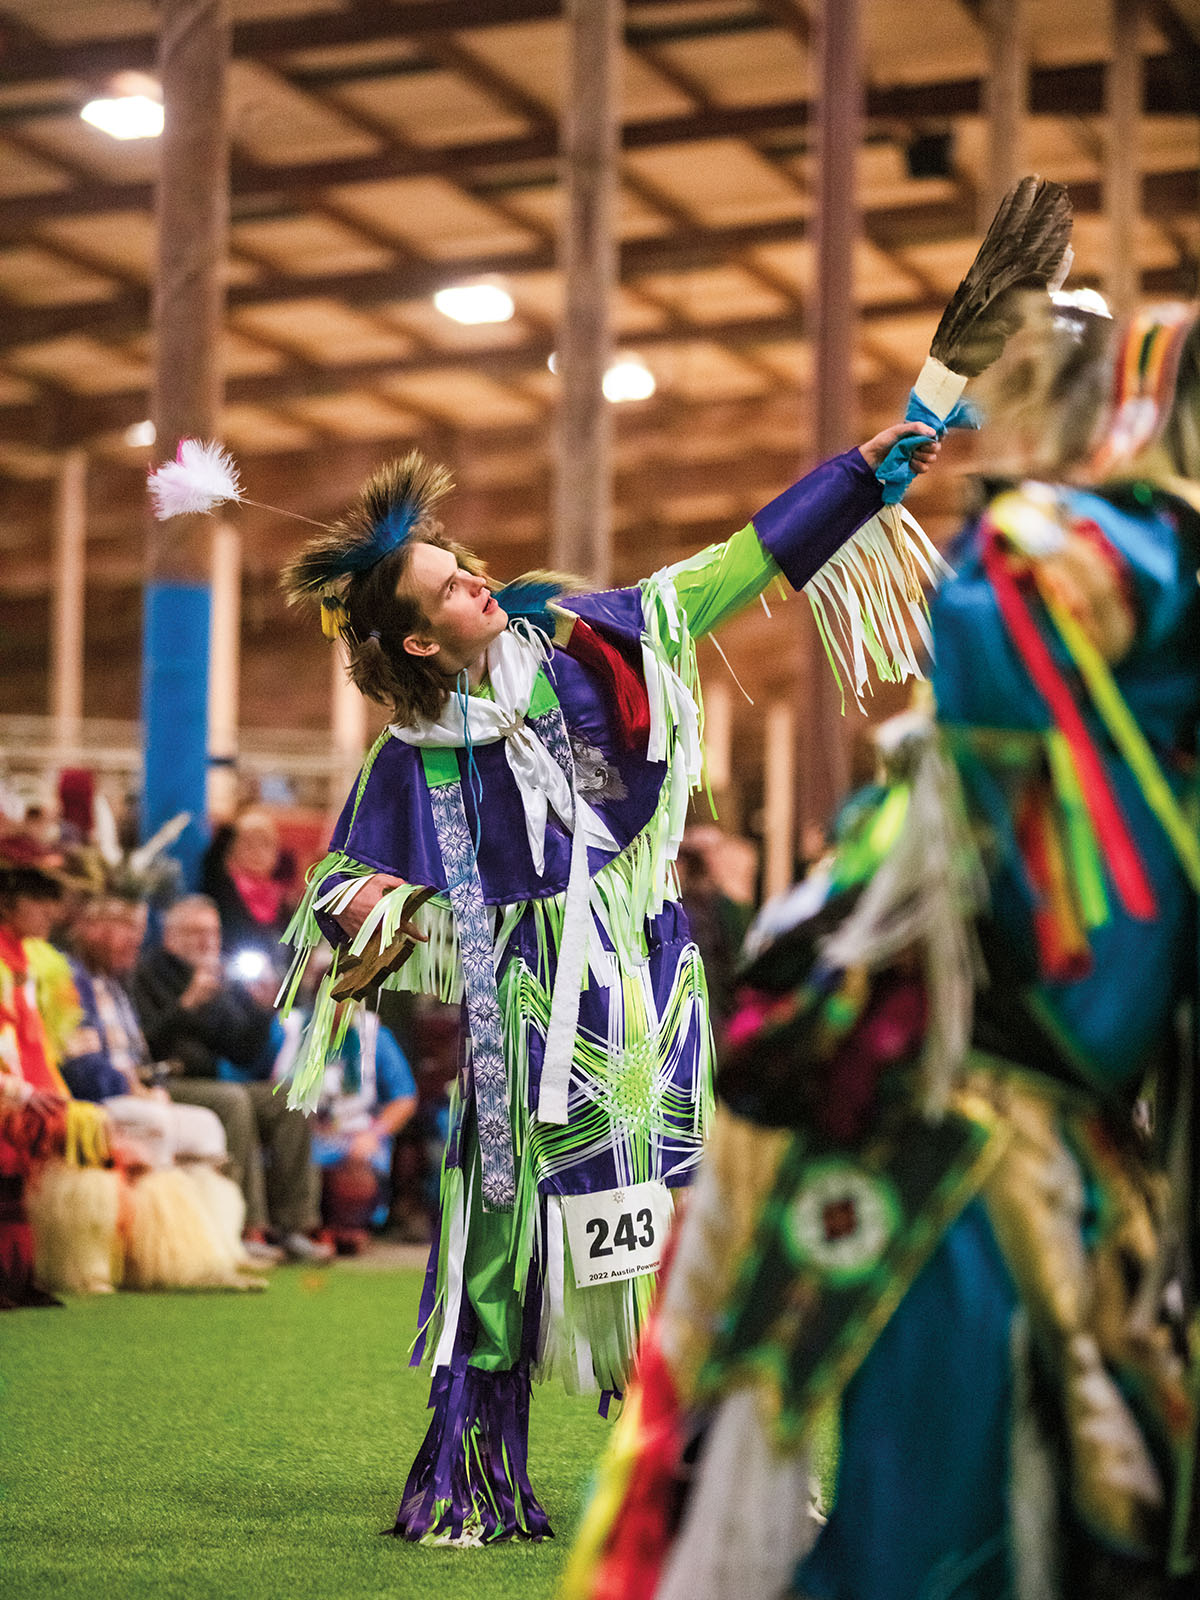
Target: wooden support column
x=193 y=216
x=1122 y=201
x=348 y=726
x=779 y=797
x=224 y=671
x=582 y=536
x=824 y=755
x=66 y=639
x=1005 y=92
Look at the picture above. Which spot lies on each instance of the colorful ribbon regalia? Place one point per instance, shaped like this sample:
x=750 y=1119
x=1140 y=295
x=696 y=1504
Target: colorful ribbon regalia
x=948 y=1198
x=535 y=825
x=39 y=1122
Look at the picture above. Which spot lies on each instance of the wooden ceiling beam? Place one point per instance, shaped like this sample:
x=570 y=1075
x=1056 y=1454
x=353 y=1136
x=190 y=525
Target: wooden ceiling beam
x=319 y=481
x=25 y=60
x=1054 y=91
x=1165 y=195
x=72 y=419
x=81 y=417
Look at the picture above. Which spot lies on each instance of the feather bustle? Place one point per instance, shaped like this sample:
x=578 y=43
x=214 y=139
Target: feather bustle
x=1024 y=248
x=531 y=596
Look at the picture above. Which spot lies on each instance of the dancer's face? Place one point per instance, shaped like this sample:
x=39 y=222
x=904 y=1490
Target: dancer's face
x=463 y=615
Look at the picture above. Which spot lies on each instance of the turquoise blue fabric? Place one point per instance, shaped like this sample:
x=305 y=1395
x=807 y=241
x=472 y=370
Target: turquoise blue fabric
x=940 y=1374
x=895 y=471
x=1113 y=1026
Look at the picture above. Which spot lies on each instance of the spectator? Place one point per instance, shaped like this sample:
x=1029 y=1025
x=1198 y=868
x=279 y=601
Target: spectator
x=106 y=1057
x=717 y=922
x=434 y=1036
x=214 y=1027
x=241 y=873
x=369 y=1097
x=37 y=1118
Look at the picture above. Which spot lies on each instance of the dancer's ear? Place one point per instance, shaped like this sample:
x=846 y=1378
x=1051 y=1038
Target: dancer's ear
x=420 y=644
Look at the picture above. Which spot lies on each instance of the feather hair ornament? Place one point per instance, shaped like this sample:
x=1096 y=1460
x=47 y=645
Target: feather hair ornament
x=533 y=598
x=201 y=478
x=394 y=505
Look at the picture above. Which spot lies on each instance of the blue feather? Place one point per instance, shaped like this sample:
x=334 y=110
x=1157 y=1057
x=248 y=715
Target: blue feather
x=394 y=505
x=530 y=599
x=386 y=535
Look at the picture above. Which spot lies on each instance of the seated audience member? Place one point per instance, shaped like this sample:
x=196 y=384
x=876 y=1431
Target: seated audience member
x=79 y=1212
x=434 y=1039
x=38 y=1120
x=191 y=1012
x=241 y=874
x=369 y=1096
x=106 y=1058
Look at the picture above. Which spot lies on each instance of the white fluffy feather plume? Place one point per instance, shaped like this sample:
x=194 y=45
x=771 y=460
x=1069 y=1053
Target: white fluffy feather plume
x=201 y=477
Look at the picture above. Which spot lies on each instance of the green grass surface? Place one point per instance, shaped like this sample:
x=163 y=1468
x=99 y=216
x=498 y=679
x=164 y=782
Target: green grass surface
x=245 y=1445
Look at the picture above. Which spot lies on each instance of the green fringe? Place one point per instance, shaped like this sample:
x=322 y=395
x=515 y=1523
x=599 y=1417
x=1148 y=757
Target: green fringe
x=629 y=1105
x=631 y=888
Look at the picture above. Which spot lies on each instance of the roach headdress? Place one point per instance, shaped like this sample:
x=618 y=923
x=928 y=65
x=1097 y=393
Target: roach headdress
x=393 y=506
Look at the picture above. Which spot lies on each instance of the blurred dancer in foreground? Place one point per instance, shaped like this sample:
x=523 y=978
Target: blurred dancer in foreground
x=931 y=1204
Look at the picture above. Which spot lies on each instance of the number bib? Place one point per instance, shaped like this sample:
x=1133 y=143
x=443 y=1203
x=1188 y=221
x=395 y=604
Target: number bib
x=618 y=1233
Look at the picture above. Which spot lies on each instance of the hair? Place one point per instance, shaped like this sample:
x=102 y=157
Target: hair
x=27 y=883
x=360 y=564
x=382 y=612
x=1044 y=399
x=107 y=903
x=187 y=902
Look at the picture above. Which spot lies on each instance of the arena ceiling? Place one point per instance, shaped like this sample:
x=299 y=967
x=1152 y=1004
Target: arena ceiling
x=384 y=149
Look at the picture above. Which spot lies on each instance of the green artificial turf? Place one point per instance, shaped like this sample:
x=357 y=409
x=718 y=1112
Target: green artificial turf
x=246 y=1445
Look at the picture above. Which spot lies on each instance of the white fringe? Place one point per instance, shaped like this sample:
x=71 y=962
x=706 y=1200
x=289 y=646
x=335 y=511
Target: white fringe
x=749 y=1519
x=863 y=604
x=926 y=893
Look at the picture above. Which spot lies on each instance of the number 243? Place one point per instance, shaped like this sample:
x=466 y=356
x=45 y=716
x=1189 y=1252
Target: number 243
x=623 y=1233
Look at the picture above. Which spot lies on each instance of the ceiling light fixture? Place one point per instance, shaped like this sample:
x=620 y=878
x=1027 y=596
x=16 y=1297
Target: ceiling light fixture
x=140 y=435
x=629 y=378
x=129 y=116
x=474 y=303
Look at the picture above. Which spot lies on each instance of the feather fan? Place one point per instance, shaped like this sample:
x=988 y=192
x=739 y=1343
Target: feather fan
x=1026 y=247
x=394 y=505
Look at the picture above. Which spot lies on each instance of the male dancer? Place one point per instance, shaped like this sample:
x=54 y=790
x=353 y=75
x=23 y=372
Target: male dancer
x=511 y=841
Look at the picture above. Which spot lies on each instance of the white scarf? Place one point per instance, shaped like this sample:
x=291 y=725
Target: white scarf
x=513 y=661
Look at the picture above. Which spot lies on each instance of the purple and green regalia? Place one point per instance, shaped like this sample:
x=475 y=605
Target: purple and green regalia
x=544 y=812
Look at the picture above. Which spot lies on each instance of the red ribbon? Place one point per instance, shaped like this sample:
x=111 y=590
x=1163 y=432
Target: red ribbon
x=1120 y=853
x=630 y=701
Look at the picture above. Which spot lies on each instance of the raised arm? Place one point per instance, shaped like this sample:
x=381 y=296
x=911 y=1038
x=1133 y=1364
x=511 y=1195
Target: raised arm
x=794 y=536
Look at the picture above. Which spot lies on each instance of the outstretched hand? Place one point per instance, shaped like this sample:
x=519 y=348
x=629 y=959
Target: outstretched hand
x=923 y=455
